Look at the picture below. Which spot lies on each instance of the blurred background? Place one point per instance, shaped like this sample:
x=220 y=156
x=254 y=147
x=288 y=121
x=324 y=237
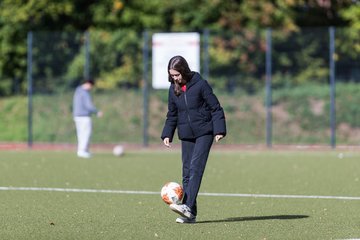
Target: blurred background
x=285 y=71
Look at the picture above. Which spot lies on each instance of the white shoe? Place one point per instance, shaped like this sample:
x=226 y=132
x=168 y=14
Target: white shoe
x=84 y=154
x=185 y=220
x=183 y=210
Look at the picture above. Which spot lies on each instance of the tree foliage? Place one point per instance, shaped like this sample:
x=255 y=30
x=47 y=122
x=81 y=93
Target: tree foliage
x=127 y=19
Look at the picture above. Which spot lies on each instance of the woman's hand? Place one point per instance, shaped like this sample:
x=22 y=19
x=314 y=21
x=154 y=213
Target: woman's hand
x=219 y=137
x=167 y=142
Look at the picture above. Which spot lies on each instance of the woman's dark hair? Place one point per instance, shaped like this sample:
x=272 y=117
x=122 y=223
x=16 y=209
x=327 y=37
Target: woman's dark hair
x=178 y=63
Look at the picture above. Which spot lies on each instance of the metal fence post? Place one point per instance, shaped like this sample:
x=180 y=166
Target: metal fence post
x=145 y=88
x=268 y=89
x=29 y=89
x=205 y=71
x=87 y=56
x=332 y=86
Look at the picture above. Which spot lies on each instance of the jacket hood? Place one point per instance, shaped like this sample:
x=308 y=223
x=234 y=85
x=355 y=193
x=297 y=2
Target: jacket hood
x=195 y=78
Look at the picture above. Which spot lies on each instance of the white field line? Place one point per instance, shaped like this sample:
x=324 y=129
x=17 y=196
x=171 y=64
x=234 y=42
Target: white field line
x=77 y=190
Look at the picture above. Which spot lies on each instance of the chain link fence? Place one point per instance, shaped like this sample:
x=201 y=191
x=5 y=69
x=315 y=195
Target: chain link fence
x=275 y=87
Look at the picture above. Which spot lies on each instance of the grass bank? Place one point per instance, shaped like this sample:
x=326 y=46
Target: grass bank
x=299 y=116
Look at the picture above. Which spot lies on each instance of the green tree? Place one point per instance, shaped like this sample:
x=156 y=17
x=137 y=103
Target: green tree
x=16 y=19
x=132 y=17
x=352 y=15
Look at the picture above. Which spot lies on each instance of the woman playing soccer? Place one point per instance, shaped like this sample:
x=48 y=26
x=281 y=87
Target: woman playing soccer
x=199 y=118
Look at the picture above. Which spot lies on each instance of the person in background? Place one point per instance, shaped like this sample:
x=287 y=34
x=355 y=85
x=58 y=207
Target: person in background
x=83 y=108
x=199 y=118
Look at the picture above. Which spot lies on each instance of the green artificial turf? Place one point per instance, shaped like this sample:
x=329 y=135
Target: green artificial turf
x=43 y=213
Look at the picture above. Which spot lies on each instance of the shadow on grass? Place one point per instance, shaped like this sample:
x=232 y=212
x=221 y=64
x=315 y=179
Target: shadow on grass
x=256 y=218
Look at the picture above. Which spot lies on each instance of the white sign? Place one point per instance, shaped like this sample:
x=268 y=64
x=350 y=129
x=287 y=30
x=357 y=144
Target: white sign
x=167 y=45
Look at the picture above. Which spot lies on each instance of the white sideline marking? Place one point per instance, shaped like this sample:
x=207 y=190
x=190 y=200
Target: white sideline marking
x=74 y=190
x=153 y=193
x=279 y=196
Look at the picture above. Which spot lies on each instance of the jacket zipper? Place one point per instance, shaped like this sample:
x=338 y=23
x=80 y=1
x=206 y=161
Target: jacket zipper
x=188 y=115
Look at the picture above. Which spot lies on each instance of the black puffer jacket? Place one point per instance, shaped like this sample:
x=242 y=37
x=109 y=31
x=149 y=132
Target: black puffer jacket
x=195 y=113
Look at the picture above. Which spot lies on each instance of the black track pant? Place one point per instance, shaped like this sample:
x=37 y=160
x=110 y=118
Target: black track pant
x=195 y=153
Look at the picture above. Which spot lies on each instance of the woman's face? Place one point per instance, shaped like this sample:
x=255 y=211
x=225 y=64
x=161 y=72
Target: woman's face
x=176 y=76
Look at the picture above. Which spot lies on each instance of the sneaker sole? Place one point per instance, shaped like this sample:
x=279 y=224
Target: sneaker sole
x=186 y=220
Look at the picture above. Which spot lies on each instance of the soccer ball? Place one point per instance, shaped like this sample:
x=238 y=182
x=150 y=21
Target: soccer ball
x=172 y=192
x=118 y=150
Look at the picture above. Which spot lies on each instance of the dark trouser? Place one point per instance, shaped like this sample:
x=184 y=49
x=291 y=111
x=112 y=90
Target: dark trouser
x=195 y=153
